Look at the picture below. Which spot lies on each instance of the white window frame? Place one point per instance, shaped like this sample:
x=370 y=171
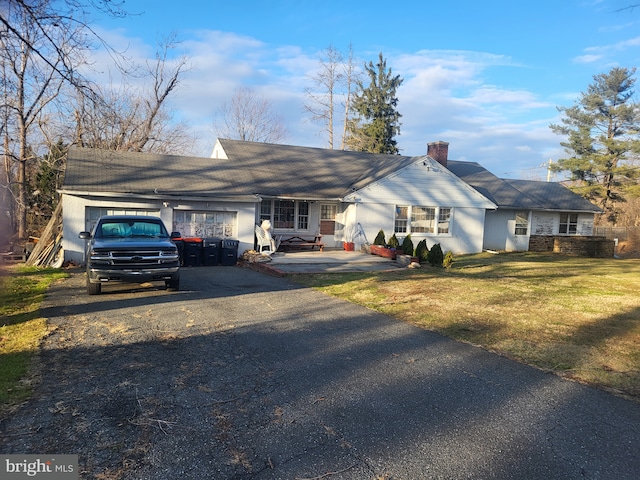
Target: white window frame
x=401 y=219
x=300 y=215
x=569 y=225
x=328 y=211
x=435 y=220
x=522 y=223
x=205 y=224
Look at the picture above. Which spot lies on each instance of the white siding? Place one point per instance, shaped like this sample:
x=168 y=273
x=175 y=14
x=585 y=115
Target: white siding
x=467 y=225
x=423 y=185
x=548 y=223
x=499 y=232
x=417 y=184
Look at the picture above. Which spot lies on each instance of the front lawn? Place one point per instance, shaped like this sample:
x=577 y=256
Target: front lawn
x=21 y=327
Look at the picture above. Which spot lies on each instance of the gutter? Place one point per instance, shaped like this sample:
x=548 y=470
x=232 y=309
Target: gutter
x=239 y=198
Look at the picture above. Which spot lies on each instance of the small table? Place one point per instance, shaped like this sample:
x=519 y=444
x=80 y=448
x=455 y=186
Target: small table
x=299 y=242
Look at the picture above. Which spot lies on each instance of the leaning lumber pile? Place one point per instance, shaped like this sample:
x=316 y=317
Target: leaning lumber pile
x=48 y=251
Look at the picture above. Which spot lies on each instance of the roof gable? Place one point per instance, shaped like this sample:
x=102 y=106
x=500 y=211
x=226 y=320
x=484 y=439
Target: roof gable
x=422 y=182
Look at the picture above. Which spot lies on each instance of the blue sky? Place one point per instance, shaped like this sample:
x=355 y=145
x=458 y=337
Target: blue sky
x=485 y=76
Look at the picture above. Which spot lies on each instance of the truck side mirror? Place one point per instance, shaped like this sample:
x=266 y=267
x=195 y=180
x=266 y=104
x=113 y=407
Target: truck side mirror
x=85 y=235
x=175 y=235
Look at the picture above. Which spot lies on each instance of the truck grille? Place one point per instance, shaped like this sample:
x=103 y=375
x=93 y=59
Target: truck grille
x=133 y=258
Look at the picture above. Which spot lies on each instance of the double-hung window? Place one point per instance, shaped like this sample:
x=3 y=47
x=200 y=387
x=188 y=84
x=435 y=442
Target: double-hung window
x=522 y=223
x=420 y=219
x=444 y=218
x=401 y=219
x=568 y=224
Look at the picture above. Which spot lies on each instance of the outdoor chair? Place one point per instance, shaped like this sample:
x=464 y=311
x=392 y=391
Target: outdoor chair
x=267 y=245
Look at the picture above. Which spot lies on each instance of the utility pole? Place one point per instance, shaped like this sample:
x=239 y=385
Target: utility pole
x=549 y=170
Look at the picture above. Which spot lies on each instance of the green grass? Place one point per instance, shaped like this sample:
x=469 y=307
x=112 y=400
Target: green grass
x=577 y=317
x=21 y=327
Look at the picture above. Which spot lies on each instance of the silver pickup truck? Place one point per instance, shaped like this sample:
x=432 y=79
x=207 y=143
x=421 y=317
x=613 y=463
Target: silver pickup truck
x=131 y=249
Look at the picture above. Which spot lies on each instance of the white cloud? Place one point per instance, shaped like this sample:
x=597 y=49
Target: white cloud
x=587 y=58
x=445 y=95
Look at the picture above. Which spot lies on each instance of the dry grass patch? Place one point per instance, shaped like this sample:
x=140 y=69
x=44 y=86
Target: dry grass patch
x=577 y=317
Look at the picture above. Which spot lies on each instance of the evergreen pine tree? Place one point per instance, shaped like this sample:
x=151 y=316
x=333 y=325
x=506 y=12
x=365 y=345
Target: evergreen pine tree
x=602 y=132
x=375 y=121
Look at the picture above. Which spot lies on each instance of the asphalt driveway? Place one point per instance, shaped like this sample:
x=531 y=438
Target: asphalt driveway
x=241 y=375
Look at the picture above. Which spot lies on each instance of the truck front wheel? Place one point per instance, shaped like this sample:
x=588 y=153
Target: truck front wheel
x=93 y=288
x=173 y=284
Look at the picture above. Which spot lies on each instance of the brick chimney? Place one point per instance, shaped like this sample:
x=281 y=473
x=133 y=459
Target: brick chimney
x=439 y=151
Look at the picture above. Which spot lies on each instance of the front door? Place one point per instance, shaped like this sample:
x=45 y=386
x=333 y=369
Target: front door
x=328 y=213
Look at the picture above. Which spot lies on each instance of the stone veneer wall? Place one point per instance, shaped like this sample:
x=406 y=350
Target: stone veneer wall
x=596 y=247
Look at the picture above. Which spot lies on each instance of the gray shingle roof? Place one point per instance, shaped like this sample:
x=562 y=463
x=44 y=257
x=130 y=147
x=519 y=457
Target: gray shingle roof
x=252 y=168
x=521 y=194
x=96 y=170
x=285 y=170
x=554 y=196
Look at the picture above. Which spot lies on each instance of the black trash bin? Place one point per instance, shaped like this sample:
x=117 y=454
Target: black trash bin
x=229 y=252
x=180 y=244
x=211 y=251
x=192 y=252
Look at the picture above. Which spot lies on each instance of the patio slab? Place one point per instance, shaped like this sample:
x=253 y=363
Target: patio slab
x=329 y=261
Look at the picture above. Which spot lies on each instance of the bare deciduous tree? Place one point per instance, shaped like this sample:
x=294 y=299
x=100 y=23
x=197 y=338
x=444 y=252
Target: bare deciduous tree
x=334 y=79
x=29 y=86
x=249 y=117
x=135 y=118
x=50 y=21
x=42 y=47
x=351 y=77
x=321 y=95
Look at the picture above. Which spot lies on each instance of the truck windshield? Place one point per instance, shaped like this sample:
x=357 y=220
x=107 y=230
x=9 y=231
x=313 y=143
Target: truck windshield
x=131 y=229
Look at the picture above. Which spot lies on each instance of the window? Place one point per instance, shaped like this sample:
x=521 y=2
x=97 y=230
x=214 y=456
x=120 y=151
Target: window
x=568 y=223
x=265 y=210
x=401 y=219
x=423 y=220
x=522 y=223
x=286 y=214
x=303 y=216
x=204 y=224
x=444 y=216
x=328 y=212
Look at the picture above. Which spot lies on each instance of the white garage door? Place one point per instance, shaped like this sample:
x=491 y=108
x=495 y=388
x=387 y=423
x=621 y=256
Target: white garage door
x=204 y=224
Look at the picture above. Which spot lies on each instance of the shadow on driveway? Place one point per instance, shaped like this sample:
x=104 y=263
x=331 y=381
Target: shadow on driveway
x=245 y=376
